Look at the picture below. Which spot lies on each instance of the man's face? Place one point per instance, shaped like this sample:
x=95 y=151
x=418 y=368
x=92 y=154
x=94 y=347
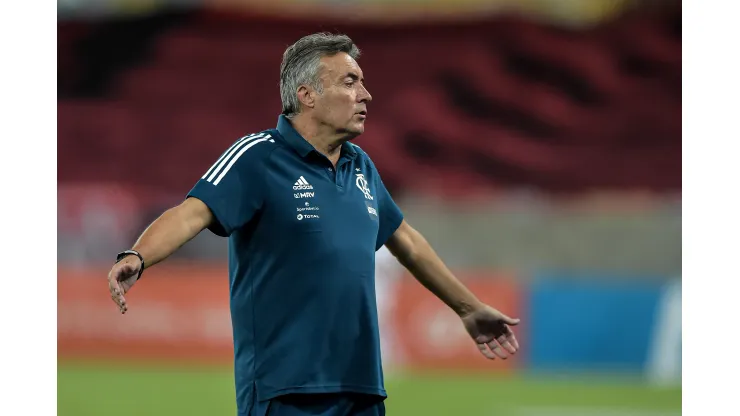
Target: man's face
x=343 y=103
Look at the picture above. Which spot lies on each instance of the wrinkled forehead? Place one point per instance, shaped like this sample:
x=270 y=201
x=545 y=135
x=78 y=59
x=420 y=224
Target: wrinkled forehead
x=338 y=66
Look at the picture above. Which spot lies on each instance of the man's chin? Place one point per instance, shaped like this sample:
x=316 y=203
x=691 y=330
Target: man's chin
x=355 y=131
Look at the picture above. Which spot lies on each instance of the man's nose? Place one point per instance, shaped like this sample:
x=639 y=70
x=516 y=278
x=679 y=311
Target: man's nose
x=364 y=95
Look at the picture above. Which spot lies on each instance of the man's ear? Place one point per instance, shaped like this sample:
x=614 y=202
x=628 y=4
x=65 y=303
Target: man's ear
x=307 y=96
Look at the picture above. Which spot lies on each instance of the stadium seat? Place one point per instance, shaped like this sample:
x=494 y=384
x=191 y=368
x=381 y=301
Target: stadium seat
x=462 y=107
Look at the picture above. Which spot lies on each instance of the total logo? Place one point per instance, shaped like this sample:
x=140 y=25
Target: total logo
x=301 y=217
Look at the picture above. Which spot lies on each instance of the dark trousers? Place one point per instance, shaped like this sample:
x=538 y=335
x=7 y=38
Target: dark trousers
x=332 y=404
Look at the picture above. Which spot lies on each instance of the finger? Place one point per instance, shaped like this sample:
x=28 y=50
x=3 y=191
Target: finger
x=124 y=306
x=120 y=301
x=512 y=338
x=510 y=321
x=485 y=351
x=508 y=346
x=498 y=350
x=114 y=289
x=117 y=294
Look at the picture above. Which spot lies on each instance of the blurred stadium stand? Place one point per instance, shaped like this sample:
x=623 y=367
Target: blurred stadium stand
x=462 y=109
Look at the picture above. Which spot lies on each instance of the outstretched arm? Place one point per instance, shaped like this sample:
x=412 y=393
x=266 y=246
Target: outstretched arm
x=223 y=200
x=488 y=327
x=414 y=252
x=172 y=230
x=164 y=236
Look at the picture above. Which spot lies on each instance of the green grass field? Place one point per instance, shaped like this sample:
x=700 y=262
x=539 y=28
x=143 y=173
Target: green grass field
x=117 y=390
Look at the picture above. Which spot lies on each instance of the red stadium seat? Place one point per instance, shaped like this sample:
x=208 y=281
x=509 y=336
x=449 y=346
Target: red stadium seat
x=461 y=108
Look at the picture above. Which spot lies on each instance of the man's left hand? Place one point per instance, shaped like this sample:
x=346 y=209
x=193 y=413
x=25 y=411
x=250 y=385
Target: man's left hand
x=490 y=330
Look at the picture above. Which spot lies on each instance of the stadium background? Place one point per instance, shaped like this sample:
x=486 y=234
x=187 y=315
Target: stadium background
x=537 y=145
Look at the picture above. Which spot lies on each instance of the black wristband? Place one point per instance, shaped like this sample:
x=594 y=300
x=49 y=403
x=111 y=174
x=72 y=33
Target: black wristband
x=127 y=253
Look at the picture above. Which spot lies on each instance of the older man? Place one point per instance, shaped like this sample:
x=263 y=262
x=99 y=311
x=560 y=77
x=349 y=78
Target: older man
x=305 y=211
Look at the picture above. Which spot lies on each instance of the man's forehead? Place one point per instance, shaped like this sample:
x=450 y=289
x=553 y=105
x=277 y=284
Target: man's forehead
x=341 y=64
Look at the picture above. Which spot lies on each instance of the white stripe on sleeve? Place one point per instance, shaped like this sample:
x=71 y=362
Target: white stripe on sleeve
x=238 y=155
x=225 y=157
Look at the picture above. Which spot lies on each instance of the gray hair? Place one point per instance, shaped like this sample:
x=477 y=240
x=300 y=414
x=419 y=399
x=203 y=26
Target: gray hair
x=301 y=64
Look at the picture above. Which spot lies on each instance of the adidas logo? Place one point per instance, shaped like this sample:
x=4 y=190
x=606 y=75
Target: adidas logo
x=301 y=184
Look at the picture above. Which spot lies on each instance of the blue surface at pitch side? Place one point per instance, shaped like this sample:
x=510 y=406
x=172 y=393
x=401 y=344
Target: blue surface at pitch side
x=590 y=324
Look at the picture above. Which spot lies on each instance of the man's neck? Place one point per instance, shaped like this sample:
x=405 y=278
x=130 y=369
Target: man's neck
x=322 y=138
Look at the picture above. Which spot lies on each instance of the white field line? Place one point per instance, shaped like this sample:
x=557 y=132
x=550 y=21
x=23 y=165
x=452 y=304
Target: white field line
x=587 y=411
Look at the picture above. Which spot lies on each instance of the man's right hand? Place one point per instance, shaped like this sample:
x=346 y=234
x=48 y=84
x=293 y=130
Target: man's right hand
x=170 y=231
x=121 y=278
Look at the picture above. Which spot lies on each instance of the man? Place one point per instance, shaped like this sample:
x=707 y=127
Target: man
x=305 y=211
